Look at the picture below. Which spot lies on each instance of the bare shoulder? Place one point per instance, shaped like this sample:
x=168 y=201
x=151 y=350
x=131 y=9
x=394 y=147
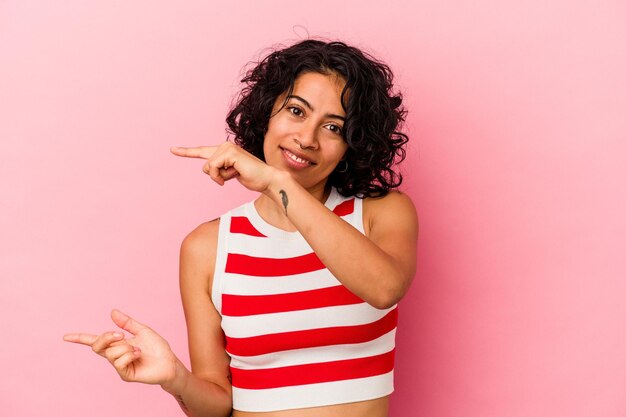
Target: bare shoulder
x=202 y=237
x=395 y=206
x=393 y=199
x=198 y=251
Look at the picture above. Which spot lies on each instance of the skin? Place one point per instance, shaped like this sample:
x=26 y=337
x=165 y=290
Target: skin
x=291 y=196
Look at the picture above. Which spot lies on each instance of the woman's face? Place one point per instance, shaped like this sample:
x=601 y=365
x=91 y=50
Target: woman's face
x=305 y=137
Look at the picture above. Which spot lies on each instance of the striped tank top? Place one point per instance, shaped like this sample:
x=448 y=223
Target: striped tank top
x=296 y=336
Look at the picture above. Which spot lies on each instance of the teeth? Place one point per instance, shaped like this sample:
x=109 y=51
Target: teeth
x=295 y=158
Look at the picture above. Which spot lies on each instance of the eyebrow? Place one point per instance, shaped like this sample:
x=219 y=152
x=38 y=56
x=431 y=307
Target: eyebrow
x=308 y=105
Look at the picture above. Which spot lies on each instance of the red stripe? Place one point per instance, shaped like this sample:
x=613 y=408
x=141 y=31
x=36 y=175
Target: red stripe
x=260 y=345
x=249 y=305
x=271 y=267
x=242 y=225
x=313 y=373
x=345 y=208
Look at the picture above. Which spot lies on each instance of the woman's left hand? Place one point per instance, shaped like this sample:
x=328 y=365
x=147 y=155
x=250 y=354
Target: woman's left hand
x=228 y=161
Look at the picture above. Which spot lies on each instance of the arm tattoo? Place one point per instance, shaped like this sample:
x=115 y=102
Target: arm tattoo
x=181 y=403
x=283 y=196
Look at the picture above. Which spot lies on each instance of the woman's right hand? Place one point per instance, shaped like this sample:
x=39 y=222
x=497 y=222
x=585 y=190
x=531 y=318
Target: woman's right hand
x=145 y=357
x=228 y=161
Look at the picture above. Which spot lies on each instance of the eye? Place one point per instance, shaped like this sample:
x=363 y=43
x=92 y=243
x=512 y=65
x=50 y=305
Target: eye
x=335 y=128
x=295 y=110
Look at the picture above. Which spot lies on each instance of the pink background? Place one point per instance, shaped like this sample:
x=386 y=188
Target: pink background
x=516 y=165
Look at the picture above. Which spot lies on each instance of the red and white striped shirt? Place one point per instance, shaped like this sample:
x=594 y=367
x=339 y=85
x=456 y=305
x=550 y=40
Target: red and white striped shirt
x=296 y=336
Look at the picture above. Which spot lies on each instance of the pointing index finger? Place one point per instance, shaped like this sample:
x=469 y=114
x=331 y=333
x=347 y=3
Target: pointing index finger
x=81 y=338
x=203 y=152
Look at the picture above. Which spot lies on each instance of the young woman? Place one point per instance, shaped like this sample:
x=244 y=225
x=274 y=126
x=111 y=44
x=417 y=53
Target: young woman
x=291 y=300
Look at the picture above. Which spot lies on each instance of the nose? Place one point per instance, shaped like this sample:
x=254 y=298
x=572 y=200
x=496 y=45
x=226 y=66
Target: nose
x=306 y=137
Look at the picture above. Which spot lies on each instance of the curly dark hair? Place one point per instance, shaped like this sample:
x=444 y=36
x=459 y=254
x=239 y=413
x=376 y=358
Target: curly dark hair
x=374 y=113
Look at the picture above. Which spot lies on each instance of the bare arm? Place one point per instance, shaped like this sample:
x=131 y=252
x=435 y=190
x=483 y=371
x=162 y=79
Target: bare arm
x=206 y=391
x=146 y=357
x=379 y=267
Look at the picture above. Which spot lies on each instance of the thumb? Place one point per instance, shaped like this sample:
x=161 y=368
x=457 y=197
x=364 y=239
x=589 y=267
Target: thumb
x=126 y=322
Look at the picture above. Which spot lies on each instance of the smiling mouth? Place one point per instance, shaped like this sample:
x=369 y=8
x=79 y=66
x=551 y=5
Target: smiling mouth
x=296 y=158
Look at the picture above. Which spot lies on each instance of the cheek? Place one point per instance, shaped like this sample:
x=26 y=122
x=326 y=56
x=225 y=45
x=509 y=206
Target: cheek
x=341 y=150
x=268 y=138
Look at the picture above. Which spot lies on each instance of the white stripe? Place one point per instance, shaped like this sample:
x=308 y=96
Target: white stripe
x=247 y=285
x=261 y=324
x=383 y=344
x=260 y=248
x=313 y=395
x=356 y=218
